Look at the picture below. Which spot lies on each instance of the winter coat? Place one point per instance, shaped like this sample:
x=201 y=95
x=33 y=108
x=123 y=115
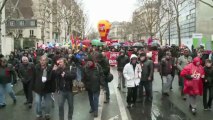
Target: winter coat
x=26 y=72
x=183 y=61
x=65 y=83
x=208 y=76
x=147 y=70
x=93 y=77
x=13 y=61
x=193 y=86
x=122 y=61
x=166 y=67
x=104 y=63
x=131 y=75
x=38 y=86
x=7 y=73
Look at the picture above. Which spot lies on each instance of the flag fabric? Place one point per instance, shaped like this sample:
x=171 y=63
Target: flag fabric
x=77 y=41
x=72 y=40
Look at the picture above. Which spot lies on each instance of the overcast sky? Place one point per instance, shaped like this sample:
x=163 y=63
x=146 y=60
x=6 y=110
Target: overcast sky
x=112 y=10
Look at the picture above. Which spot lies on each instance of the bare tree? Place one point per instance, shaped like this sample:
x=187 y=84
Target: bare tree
x=150 y=16
x=126 y=30
x=71 y=13
x=176 y=5
x=207 y=3
x=168 y=18
x=44 y=16
x=137 y=28
x=93 y=34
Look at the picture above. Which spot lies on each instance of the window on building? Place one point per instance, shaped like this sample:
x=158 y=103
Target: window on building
x=32 y=23
x=188 y=17
x=22 y=23
x=31 y=33
x=12 y=23
x=20 y=31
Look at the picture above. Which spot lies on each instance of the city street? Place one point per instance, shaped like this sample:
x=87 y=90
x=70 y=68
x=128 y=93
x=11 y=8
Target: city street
x=51 y=45
x=171 y=108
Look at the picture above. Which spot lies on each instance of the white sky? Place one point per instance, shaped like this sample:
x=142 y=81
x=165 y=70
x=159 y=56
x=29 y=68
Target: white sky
x=112 y=10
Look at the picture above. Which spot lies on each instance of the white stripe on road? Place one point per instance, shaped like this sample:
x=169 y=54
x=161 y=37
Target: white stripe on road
x=115 y=118
x=100 y=107
x=121 y=105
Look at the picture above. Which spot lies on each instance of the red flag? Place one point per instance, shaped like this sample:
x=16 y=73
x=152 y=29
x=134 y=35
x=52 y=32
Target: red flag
x=77 y=40
x=72 y=39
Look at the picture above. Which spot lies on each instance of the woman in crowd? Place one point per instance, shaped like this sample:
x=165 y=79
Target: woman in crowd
x=193 y=75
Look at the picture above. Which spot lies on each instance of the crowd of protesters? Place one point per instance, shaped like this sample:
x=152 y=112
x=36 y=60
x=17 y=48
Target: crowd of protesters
x=45 y=73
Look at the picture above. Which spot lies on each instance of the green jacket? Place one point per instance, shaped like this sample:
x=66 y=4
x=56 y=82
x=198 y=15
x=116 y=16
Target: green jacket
x=104 y=63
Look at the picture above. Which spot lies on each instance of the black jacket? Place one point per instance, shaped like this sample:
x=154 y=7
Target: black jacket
x=93 y=78
x=104 y=63
x=38 y=86
x=147 y=70
x=209 y=76
x=166 y=67
x=122 y=61
x=26 y=72
x=65 y=83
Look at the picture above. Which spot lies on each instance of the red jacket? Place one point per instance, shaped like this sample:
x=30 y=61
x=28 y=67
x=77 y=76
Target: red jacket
x=193 y=86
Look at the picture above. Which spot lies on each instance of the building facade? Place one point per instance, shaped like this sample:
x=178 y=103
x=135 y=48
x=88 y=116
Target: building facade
x=195 y=18
x=34 y=22
x=145 y=20
x=121 y=31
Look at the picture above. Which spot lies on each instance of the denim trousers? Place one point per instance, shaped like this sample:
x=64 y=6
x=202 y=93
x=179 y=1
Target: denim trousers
x=6 y=88
x=62 y=97
x=94 y=100
x=47 y=103
x=166 y=83
x=79 y=74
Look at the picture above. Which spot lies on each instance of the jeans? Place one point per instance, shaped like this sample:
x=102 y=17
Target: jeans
x=121 y=80
x=94 y=100
x=107 y=92
x=6 y=88
x=148 y=88
x=207 y=101
x=2 y=102
x=166 y=83
x=62 y=97
x=132 y=95
x=79 y=74
x=28 y=92
x=192 y=99
x=47 y=103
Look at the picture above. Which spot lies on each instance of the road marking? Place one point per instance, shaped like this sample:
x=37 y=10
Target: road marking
x=115 y=118
x=100 y=107
x=120 y=104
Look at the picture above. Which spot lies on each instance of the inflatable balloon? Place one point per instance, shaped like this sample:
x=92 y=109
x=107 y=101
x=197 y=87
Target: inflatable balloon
x=104 y=28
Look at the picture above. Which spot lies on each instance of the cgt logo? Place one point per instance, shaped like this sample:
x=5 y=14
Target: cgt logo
x=102 y=28
x=114 y=55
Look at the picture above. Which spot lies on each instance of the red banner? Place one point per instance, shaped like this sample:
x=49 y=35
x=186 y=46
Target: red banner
x=112 y=57
x=155 y=57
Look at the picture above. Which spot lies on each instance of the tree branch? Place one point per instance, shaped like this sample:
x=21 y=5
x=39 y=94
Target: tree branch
x=206 y=3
